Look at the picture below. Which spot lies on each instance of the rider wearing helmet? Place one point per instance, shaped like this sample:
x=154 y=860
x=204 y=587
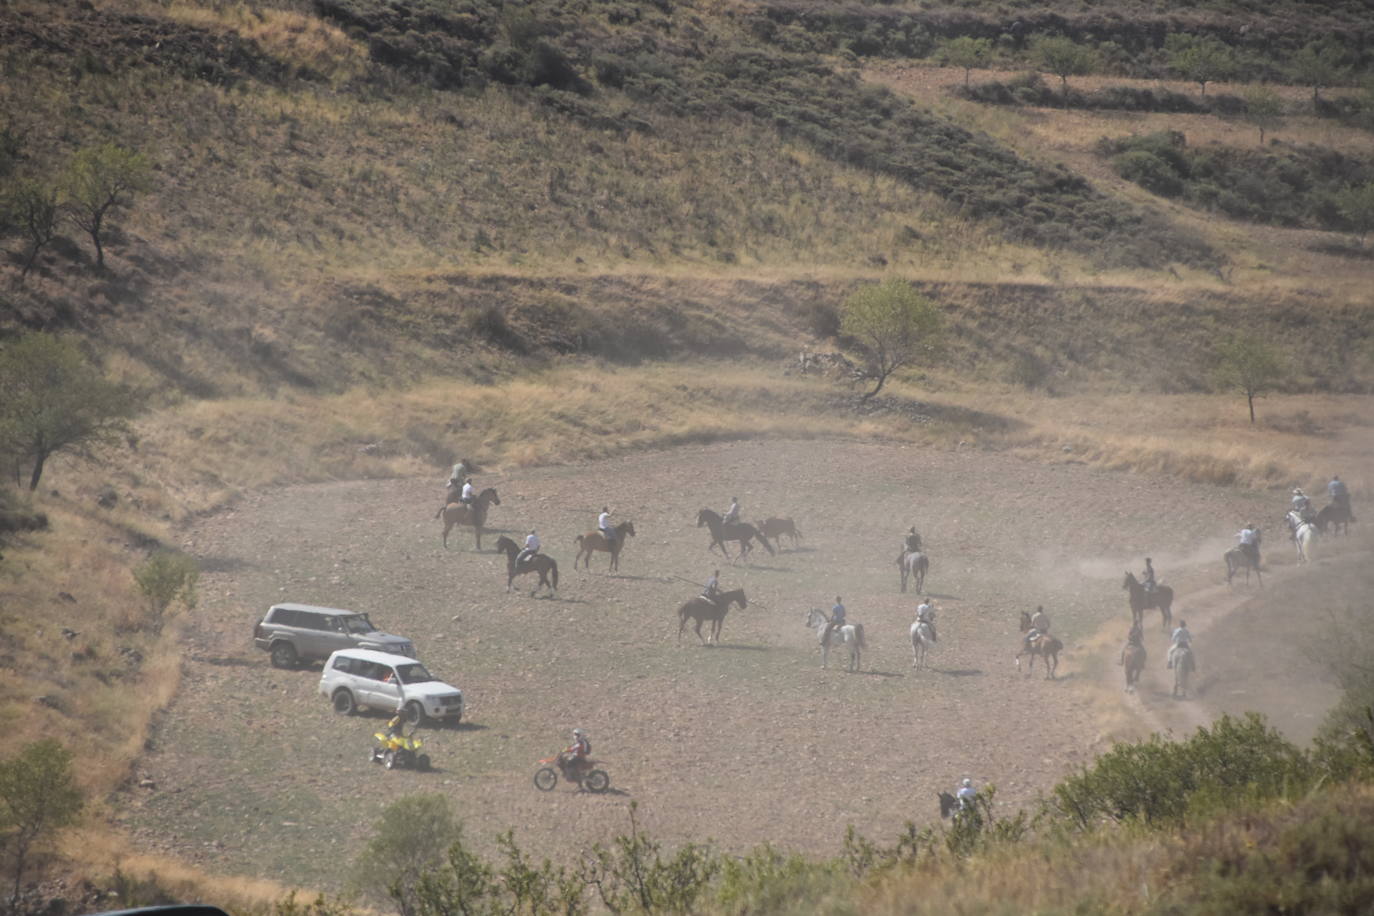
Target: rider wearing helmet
x=574 y=756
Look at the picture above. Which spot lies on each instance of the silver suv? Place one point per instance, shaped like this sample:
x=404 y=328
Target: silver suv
x=356 y=679
x=294 y=633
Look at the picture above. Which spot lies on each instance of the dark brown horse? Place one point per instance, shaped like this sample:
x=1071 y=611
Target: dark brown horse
x=1162 y=597
x=593 y=541
x=1338 y=516
x=913 y=565
x=775 y=528
x=1047 y=647
x=541 y=563
x=740 y=532
x=703 y=610
x=1133 y=659
x=475 y=514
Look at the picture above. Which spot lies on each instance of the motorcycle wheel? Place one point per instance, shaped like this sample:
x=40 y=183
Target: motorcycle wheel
x=545 y=779
x=596 y=781
x=374 y=756
x=422 y=763
x=389 y=760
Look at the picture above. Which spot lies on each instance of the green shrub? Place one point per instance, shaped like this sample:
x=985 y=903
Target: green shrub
x=1149 y=171
x=167 y=578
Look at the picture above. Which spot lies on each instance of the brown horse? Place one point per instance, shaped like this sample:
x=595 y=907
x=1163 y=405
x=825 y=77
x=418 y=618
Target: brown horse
x=541 y=563
x=1162 y=597
x=913 y=565
x=1133 y=659
x=474 y=514
x=1047 y=647
x=595 y=540
x=702 y=611
x=740 y=532
x=775 y=528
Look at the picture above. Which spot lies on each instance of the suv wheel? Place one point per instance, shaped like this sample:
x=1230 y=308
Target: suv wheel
x=415 y=713
x=284 y=655
x=343 y=703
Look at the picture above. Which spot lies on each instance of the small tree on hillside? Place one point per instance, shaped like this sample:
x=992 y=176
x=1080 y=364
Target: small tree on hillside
x=38 y=797
x=967 y=52
x=98 y=181
x=1356 y=204
x=1263 y=109
x=167 y=578
x=52 y=400
x=411 y=839
x=1200 y=59
x=32 y=207
x=1063 y=57
x=1320 y=65
x=1250 y=364
x=893 y=323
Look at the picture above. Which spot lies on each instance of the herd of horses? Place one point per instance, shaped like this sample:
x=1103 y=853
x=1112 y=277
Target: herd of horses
x=913 y=566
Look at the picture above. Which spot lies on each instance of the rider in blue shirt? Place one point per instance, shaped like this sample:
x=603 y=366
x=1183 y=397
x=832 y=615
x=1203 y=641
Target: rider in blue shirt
x=836 y=618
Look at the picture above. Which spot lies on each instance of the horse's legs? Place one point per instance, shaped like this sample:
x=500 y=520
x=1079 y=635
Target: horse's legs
x=698 y=629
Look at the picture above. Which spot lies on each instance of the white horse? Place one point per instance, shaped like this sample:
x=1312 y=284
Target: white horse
x=922 y=638
x=850 y=636
x=1304 y=534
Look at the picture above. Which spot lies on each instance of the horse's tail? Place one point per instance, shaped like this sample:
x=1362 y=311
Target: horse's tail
x=440 y=513
x=771 y=551
x=553 y=572
x=859 y=635
x=578 y=542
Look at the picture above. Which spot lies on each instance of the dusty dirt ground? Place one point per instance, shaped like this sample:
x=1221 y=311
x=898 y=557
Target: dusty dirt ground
x=745 y=743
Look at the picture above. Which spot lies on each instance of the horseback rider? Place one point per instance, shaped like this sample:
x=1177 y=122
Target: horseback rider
x=460 y=471
x=1302 y=505
x=1040 y=620
x=925 y=613
x=712 y=589
x=912 y=541
x=731 y=516
x=1182 y=639
x=603 y=524
x=531 y=548
x=837 y=614
x=1249 y=543
x=966 y=795
x=1339 y=493
x=467 y=495
x=1147 y=578
x=575 y=755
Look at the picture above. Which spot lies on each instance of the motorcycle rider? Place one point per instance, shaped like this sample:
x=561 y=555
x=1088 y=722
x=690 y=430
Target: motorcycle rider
x=574 y=756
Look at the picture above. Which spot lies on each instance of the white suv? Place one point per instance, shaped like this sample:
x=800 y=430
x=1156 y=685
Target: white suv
x=356 y=679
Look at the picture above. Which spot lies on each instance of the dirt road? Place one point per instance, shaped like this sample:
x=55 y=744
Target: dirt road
x=745 y=743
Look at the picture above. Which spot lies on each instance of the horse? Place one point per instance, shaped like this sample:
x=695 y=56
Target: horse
x=702 y=610
x=1162 y=597
x=595 y=540
x=1304 y=535
x=775 y=528
x=1183 y=668
x=949 y=805
x=1047 y=647
x=456 y=513
x=1338 y=516
x=1237 y=558
x=740 y=532
x=913 y=565
x=922 y=638
x=1133 y=659
x=850 y=636
x=541 y=563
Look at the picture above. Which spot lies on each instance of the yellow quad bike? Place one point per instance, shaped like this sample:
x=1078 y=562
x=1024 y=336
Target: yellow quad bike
x=398 y=750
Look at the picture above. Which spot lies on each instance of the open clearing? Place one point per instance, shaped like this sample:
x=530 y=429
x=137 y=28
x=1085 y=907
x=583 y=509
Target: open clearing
x=745 y=743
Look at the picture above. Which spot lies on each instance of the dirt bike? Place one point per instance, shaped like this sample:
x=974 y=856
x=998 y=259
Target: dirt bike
x=398 y=750
x=586 y=777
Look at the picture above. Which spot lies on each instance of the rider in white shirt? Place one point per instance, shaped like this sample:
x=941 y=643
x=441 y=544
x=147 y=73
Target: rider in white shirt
x=1302 y=505
x=925 y=613
x=1249 y=542
x=467 y=496
x=531 y=548
x=966 y=795
x=732 y=513
x=603 y=523
x=1182 y=639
